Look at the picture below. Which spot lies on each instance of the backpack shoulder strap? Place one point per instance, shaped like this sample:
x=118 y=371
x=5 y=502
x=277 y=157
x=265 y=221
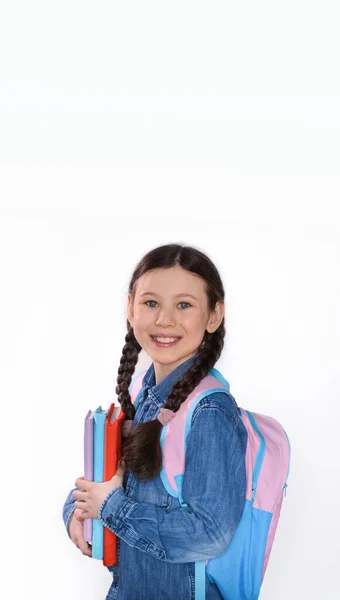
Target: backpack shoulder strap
x=173 y=436
x=135 y=388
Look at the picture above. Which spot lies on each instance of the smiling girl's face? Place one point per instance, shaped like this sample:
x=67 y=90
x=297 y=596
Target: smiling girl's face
x=169 y=315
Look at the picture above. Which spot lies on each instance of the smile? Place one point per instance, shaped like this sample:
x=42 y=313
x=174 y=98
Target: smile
x=165 y=341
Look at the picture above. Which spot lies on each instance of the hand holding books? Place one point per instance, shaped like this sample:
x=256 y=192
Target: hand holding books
x=90 y=494
x=102 y=453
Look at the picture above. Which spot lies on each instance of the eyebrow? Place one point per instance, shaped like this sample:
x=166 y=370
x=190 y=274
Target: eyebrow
x=177 y=295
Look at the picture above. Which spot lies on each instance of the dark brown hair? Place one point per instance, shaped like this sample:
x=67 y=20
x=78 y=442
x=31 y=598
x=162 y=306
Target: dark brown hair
x=141 y=449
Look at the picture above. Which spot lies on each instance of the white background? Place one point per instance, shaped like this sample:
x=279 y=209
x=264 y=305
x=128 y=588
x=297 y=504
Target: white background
x=127 y=126
x=252 y=87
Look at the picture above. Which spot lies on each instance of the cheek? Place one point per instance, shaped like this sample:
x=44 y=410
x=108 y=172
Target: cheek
x=139 y=332
x=142 y=319
x=195 y=324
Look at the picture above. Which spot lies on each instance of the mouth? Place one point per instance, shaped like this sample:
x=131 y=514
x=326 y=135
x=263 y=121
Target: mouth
x=165 y=341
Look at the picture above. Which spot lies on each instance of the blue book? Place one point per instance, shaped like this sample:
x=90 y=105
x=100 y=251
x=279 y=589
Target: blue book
x=98 y=476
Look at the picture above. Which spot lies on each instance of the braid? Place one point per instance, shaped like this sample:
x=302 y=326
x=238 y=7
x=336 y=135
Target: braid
x=126 y=369
x=208 y=356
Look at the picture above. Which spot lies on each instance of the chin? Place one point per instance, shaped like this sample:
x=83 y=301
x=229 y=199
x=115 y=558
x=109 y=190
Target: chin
x=160 y=358
x=166 y=359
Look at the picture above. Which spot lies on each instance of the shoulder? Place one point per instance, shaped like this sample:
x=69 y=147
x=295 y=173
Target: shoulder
x=215 y=425
x=219 y=404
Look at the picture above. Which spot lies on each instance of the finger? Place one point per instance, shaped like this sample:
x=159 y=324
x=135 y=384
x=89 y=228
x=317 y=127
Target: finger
x=83 y=484
x=82 y=506
x=79 y=495
x=84 y=547
x=80 y=516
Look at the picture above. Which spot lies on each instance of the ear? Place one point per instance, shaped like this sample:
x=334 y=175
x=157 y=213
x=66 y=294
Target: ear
x=215 y=318
x=130 y=309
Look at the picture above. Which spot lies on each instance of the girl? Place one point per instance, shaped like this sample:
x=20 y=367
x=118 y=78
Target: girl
x=175 y=309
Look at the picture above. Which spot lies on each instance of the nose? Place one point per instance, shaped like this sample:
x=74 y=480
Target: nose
x=165 y=318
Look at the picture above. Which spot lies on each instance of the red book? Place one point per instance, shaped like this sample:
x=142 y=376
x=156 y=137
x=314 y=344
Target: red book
x=112 y=454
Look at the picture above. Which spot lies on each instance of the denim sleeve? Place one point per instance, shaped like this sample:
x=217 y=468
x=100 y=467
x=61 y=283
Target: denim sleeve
x=68 y=509
x=214 y=490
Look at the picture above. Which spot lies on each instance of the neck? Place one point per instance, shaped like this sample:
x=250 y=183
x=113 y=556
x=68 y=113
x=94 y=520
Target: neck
x=162 y=370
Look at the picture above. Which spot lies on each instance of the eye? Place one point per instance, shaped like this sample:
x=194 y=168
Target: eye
x=154 y=301
x=187 y=303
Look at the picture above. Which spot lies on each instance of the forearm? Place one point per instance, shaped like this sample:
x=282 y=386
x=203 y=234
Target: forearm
x=179 y=535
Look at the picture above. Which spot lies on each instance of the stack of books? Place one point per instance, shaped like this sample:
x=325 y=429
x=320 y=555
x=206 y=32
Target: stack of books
x=102 y=452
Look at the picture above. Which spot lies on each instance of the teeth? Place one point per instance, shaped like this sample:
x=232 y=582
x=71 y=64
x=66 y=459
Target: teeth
x=167 y=340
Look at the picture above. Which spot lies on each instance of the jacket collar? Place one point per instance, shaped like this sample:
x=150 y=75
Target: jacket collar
x=159 y=393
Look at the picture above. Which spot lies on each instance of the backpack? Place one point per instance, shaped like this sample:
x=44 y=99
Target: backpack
x=239 y=571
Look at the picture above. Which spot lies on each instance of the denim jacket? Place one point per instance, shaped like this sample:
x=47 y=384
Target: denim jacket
x=159 y=540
